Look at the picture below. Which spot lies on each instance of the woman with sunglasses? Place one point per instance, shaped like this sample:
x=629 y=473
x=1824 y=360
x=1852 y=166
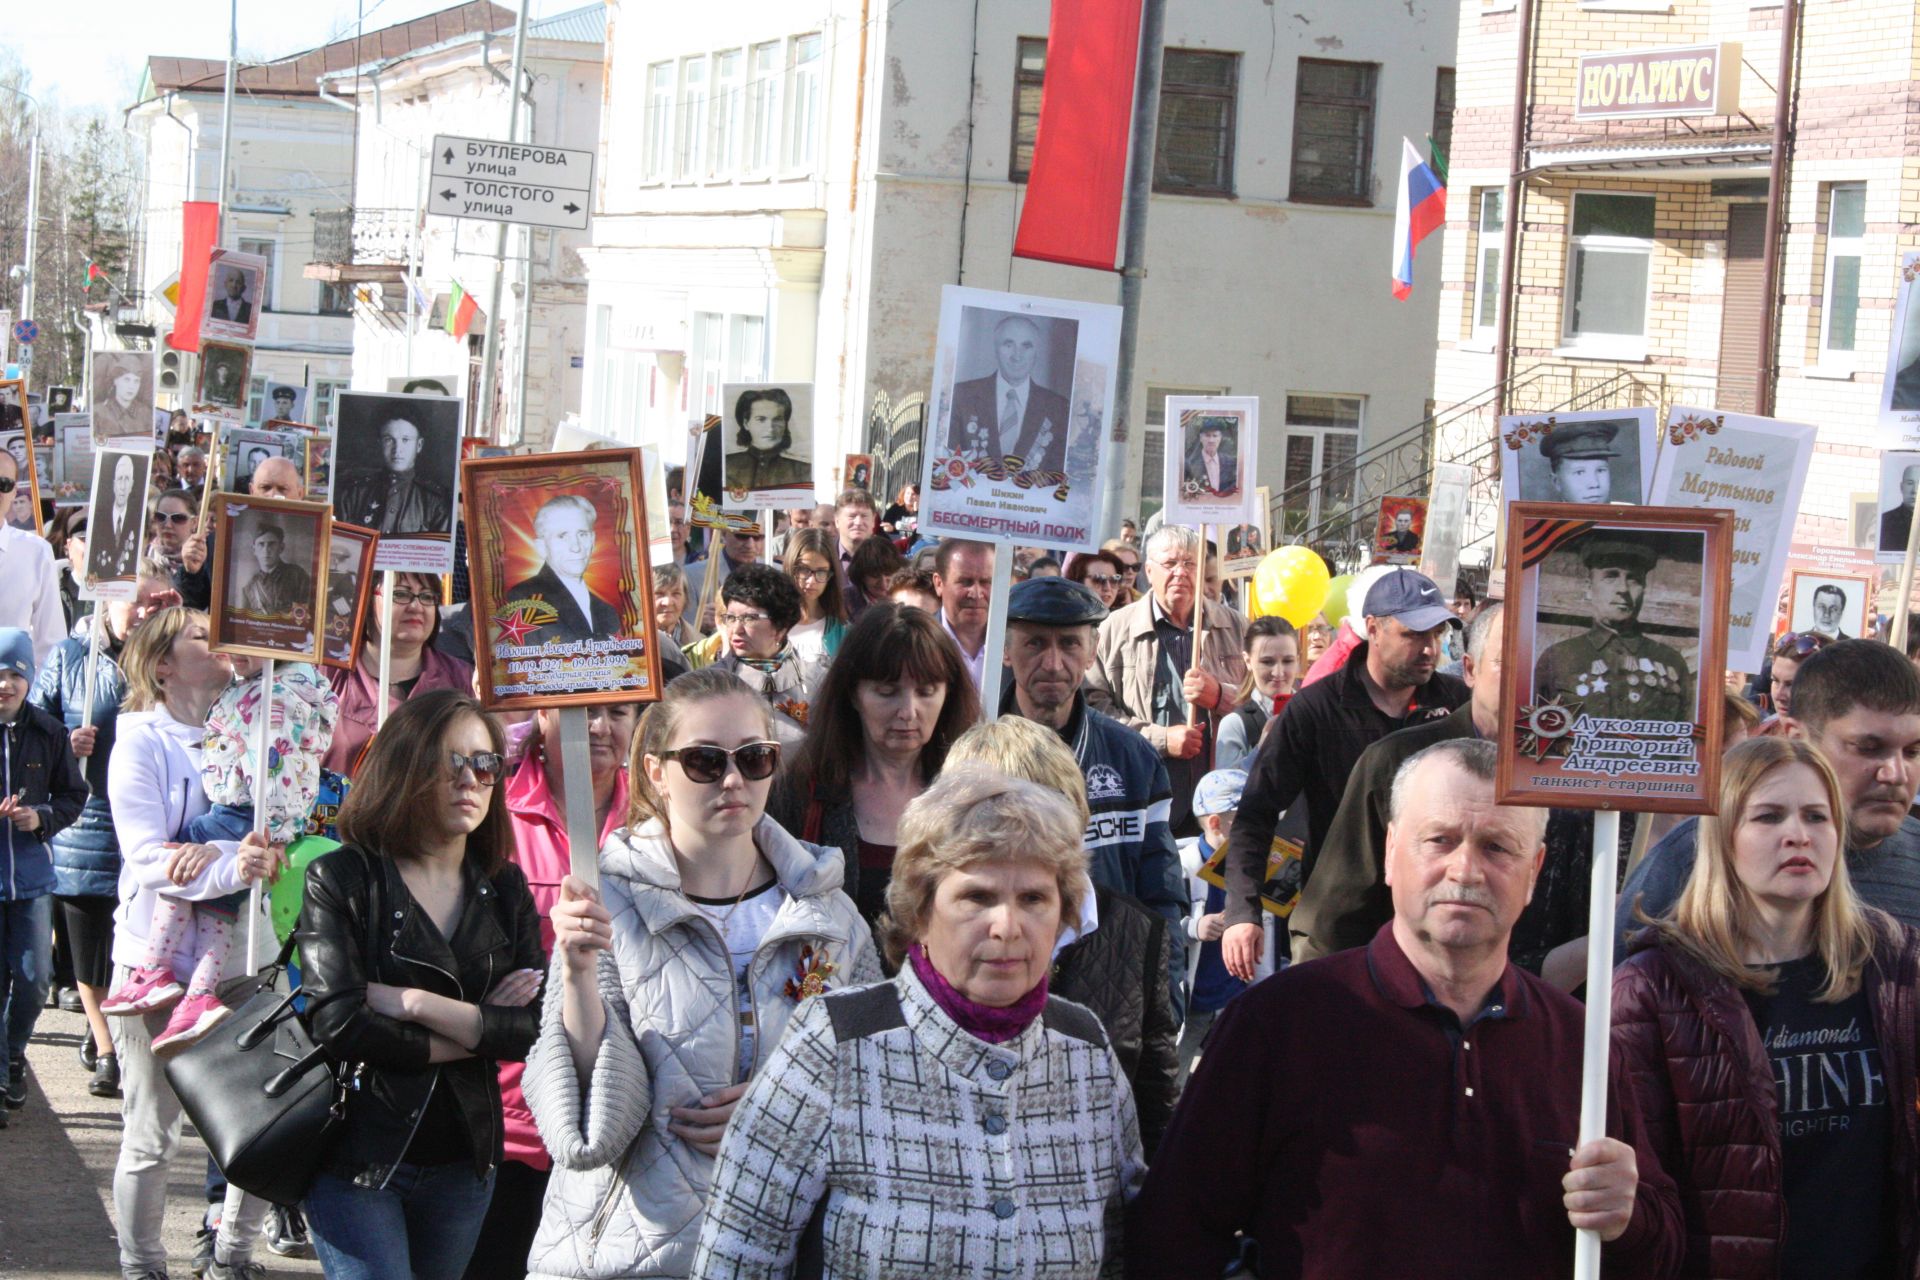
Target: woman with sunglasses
x=1127 y=556
x=416 y=666
x=1100 y=572
x=674 y=983
x=173 y=513
x=421 y=960
x=810 y=559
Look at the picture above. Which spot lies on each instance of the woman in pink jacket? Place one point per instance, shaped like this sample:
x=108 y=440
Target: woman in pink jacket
x=415 y=666
x=536 y=809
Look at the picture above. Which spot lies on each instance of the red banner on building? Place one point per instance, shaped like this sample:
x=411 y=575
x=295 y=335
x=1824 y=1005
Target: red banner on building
x=1074 y=193
x=200 y=222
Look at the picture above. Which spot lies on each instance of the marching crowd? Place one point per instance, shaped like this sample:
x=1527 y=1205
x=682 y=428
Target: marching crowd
x=867 y=984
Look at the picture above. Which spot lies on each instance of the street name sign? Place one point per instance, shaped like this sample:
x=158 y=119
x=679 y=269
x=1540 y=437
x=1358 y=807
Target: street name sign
x=493 y=181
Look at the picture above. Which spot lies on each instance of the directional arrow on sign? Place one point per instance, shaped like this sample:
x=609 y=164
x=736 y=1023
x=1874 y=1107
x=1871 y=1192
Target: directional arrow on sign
x=447 y=194
x=448 y=156
x=571 y=207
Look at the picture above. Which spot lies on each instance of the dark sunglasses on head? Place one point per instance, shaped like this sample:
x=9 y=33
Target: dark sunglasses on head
x=756 y=761
x=485 y=766
x=1798 y=644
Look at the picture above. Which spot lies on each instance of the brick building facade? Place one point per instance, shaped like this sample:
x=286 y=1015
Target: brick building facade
x=1639 y=266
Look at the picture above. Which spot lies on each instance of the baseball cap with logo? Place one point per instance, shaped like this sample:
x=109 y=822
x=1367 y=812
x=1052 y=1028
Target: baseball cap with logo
x=1409 y=598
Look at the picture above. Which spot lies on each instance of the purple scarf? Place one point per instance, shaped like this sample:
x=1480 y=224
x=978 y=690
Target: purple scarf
x=983 y=1022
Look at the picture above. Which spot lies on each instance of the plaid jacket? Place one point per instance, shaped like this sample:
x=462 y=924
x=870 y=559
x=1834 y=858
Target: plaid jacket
x=932 y=1153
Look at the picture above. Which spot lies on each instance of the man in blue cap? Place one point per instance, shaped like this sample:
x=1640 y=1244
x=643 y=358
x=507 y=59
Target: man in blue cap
x=41 y=792
x=1389 y=682
x=1129 y=840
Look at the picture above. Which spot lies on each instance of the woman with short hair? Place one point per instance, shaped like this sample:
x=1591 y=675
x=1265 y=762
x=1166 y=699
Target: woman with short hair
x=883 y=720
x=809 y=561
x=958 y=1120
x=759 y=606
x=416 y=666
x=674 y=982
x=1768 y=1026
x=421 y=963
x=670 y=605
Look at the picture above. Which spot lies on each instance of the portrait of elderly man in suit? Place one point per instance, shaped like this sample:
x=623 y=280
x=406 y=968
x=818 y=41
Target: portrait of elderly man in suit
x=563 y=528
x=231 y=305
x=1007 y=414
x=1211 y=468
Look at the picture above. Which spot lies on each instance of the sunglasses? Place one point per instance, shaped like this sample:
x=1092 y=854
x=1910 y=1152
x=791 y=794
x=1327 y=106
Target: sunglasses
x=1798 y=644
x=756 y=761
x=1102 y=580
x=173 y=517
x=485 y=766
x=6 y=484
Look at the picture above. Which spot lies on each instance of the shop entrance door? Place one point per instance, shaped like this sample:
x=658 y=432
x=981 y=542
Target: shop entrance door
x=1740 y=308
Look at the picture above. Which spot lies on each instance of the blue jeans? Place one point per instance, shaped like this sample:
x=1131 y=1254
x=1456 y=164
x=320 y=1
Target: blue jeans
x=26 y=966
x=422 y=1225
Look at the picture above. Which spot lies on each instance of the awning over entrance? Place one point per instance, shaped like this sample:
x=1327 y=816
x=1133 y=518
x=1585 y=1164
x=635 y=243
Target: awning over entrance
x=1703 y=160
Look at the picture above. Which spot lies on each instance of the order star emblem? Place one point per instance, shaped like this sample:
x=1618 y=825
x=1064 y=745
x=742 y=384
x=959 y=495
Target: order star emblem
x=515 y=628
x=1599 y=684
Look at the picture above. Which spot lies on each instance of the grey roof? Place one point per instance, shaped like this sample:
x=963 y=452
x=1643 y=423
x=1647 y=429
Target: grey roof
x=587 y=24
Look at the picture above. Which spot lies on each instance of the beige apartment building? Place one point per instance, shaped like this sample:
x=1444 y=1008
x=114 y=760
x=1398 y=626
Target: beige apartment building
x=1663 y=148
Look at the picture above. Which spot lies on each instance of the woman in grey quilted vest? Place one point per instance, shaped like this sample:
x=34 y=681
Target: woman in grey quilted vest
x=957 y=1121
x=673 y=982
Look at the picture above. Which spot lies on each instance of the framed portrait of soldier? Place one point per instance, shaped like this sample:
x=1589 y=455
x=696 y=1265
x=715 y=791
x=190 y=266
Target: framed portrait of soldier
x=440 y=385
x=1400 y=531
x=1836 y=606
x=1591 y=457
x=1243 y=546
x=767 y=445
x=1615 y=648
x=397 y=470
x=120 y=396
x=706 y=505
x=13 y=405
x=72 y=468
x=856 y=472
x=270 y=568
x=236 y=287
x=1893 y=511
x=317 y=466
x=59 y=400
x=349 y=585
x=243 y=449
x=222 y=389
x=116 y=522
x=562 y=591
x=22 y=510
x=283 y=402
x=1023 y=389
x=1212 y=445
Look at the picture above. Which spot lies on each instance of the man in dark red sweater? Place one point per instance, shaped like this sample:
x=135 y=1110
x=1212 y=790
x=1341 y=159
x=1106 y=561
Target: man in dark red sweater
x=1411 y=1107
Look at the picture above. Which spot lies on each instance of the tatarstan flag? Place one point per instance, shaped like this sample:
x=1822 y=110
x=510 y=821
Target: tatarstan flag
x=461 y=309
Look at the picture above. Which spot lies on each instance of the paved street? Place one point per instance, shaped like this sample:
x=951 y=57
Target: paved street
x=56 y=1174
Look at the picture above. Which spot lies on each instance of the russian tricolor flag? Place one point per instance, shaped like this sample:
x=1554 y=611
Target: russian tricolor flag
x=1421 y=211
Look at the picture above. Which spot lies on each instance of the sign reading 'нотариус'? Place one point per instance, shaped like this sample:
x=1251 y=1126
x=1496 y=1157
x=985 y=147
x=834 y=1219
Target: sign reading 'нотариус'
x=1696 y=80
x=496 y=181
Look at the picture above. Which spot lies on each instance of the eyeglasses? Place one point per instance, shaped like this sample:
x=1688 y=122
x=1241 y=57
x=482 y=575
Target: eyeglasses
x=756 y=761
x=485 y=766
x=740 y=619
x=6 y=484
x=173 y=517
x=1177 y=566
x=1798 y=644
x=1102 y=580
x=401 y=598
x=804 y=574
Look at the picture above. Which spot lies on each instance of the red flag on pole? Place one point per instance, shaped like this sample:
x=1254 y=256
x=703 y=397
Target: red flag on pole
x=200 y=220
x=1074 y=194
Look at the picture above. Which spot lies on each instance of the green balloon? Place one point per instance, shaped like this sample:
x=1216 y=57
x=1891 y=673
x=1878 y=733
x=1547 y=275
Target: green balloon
x=287 y=892
x=1336 y=606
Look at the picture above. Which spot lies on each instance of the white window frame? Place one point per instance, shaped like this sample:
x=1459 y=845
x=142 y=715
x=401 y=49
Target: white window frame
x=690 y=137
x=657 y=149
x=1606 y=346
x=326 y=399
x=1319 y=435
x=1841 y=247
x=801 y=91
x=1489 y=251
x=724 y=115
x=760 y=136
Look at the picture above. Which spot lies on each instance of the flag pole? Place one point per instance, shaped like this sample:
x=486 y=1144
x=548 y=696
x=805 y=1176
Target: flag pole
x=490 y=363
x=1599 y=1010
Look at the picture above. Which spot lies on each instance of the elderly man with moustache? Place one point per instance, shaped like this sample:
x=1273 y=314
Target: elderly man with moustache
x=1410 y=1108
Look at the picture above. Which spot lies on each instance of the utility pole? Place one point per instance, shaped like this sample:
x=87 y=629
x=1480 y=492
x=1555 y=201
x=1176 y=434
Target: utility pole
x=490 y=364
x=33 y=228
x=226 y=118
x=1133 y=271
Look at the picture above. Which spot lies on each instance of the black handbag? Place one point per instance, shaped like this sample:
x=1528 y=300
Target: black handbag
x=262 y=1095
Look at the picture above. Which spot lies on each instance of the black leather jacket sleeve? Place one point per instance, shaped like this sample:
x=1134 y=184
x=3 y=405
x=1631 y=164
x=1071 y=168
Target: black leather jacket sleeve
x=334 y=924
x=507 y=1032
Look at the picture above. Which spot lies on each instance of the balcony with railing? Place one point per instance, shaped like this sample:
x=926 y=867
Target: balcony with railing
x=361 y=245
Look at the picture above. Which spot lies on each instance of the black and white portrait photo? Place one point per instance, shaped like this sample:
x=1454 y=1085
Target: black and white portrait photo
x=272 y=583
x=1831 y=605
x=120 y=396
x=565 y=531
x=1899 y=483
x=1589 y=458
x=396 y=460
x=1011 y=387
x=284 y=402
x=13 y=405
x=243 y=449
x=1618 y=630
x=444 y=385
x=234 y=287
x=117 y=520
x=222 y=392
x=59 y=400
x=268 y=576
x=768 y=434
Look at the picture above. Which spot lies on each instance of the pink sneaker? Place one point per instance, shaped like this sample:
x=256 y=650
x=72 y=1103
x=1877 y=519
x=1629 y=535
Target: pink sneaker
x=192 y=1018
x=143 y=991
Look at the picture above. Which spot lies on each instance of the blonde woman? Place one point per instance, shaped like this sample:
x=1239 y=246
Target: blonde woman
x=1768 y=1026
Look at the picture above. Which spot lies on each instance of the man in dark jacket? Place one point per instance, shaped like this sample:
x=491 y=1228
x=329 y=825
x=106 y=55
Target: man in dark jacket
x=1130 y=845
x=43 y=793
x=1389 y=682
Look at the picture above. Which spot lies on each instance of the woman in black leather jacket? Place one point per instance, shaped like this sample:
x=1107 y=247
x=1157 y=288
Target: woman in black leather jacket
x=423 y=964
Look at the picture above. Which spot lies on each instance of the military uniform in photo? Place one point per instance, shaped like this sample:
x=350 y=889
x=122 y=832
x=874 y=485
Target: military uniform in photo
x=1579 y=442
x=278 y=591
x=395 y=502
x=1614 y=671
x=1023 y=428
x=755 y=469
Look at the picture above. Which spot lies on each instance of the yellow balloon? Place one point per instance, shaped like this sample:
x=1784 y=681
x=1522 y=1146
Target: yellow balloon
x=1291 y=583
